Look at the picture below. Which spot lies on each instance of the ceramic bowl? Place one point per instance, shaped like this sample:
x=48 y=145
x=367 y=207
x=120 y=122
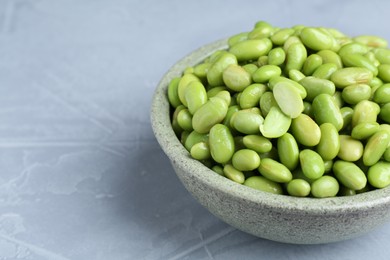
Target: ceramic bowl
x=276 y=217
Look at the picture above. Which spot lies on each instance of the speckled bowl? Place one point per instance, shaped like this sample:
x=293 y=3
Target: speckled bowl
x=275 y=217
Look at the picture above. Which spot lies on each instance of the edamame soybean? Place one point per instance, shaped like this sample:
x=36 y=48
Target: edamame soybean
x=263 y=184
x=274 y=171
x=288 y=151
x=250 y=97
x=236 y=78
x=376 y=147
x=325 y=186
x=232 y=173
x=211 y=113
x=312 y=165
x=350 y=175
x=329 y=145
x=305 y=130
x=276 y=123
x=288 y=99
x=221 y=143
x=257 y=143
x=316 y=123
x=265 y=73
x=245 y=160
x=298 y=188
x=251 y=49
x=326 y=111
x=379 y=175
x=315 y=86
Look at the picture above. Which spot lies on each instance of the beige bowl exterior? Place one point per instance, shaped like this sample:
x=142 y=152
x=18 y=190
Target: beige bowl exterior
x=275 y=217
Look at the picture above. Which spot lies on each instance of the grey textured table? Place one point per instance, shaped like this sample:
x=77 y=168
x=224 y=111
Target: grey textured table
x=81 y=175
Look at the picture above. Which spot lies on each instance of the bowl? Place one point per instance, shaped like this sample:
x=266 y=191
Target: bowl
x=275 y=217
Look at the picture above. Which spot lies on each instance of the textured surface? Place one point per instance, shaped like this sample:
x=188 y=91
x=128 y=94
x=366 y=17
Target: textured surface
x=81 y=175
x=278 y=218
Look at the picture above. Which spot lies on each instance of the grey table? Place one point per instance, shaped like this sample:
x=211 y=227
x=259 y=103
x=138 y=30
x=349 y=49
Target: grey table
x=81 y=174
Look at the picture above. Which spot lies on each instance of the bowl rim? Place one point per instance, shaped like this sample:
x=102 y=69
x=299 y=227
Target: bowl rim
x=161 y=126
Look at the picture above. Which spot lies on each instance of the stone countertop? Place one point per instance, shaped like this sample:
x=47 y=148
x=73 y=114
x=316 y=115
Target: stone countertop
x=81 y=174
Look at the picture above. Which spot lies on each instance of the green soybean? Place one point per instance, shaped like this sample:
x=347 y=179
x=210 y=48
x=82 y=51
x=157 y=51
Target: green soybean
x=211 y=113
x=375 y=147
x=351 y=149
x=194 y=138
x=233 y=174
x=384 y=72
x=353 y=48
x=325 y=186
x=296 y=75
x=273 y=81
x=365 y=111
x=298 y=188
x=218 y=169
x=332 y=57
x=288 y=99
x=295 y=56
x=350 y=175
x=276 y=56
x=382 y=94
x=251 y=49
x=305 y=130
x=221 y=143
x=231 y=110
x=195 y=96
x=213 y=91
x=281 y=36
x=311 y=64
x=263 y=184
x=276 y=123
x=200 y=70
x=184 y=119
x=316 y=39
x=215 y=72
x=353 y=75
x=347 y=113
x=316 y=86
x=250 y=68
x=265 y=73
x=267 y=101
x=355 y=93
x=257 y=143
x=371 y=41
x=250 y=97
x=246 y=122
x=326 y=111
x=358 y=60
x=364 y=130
x=236 y=78
x=288 y=151
x=237 y=38
x=329 y=144
x=382 y=55
x=173 y=95
x=379 y=175
x=344 y=191
x=312 y=165
x=182 y=85
x=274 y=171
x=246 y=160
x=200 y=151
x=262 y=61
x=262 y=29
x=325 y=71
x=338 y=99
x=385 y=113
